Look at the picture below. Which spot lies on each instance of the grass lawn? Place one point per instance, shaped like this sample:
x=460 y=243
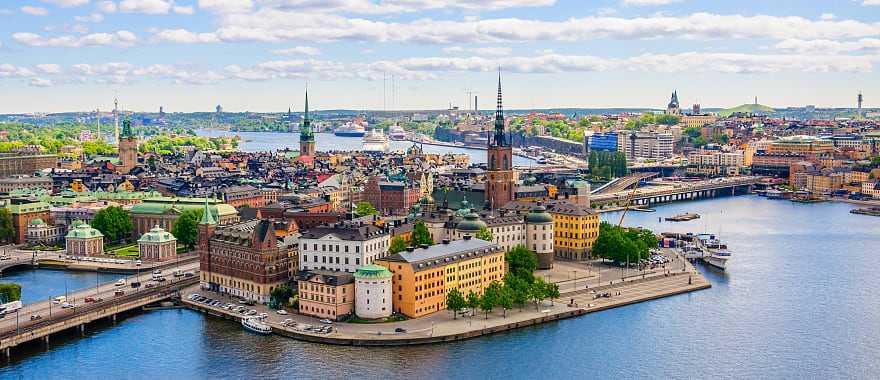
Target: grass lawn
x=393 y=318
x=128 y=251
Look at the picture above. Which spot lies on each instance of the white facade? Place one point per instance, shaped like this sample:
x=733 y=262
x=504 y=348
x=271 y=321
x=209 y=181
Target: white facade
x=372 y=297
x=539 y=237
x=330 y=252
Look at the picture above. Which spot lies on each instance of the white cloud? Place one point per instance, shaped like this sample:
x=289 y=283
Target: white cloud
x=93 y=17
x=828 y=46
x=66 y=3
x=298 y=50
x=183 y=10
x=273 y=25
x=399 y=6
x=8 y=70
x=107 y=7
x=41 y=82
x=870 y=2
x=649 y=2
x=145 y=6
x=124 y=72
x=120 y=38
x=185 y=37
x=34 y=11
x=49 y=68
x=492 y=51
x=827 y=16
x=226 y=6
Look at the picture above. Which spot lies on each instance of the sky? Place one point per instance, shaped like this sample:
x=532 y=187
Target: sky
x=260 y=55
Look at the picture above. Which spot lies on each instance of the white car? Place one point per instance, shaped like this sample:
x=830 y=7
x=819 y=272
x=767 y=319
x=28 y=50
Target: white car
x=120 y=282
x=281 y=312
x=138 y=262
x=67 y=305
x=326 y=321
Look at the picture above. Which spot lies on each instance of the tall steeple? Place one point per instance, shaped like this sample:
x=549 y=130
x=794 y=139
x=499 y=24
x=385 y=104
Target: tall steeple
x=499 y=139
x=207 y=217
x=306 y=135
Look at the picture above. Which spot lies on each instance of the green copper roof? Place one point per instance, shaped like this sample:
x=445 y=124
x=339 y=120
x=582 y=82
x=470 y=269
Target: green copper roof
x=539 y=215
x=372 y=271
x=161 y=205
x=471 y=223
x=305 y=132
x=156 y=235
x=84 y=231
x=207 y=216
x=37 y=222
x=126 y=129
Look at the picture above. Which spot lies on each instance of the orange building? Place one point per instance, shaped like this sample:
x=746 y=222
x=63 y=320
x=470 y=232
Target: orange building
x=326 y=294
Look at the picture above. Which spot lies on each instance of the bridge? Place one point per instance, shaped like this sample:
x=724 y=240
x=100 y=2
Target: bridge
x=678 y=191
x=40 y=320
x=623 y=183
x=14 y=262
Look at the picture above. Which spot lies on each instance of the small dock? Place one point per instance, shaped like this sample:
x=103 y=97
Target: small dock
x=872 y=211
x=683 y=217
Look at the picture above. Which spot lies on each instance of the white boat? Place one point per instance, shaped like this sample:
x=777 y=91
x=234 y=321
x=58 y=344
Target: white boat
x=396 y=133
x=717 y=254
x=253 y=324
x=351 y=129
x=375 y=141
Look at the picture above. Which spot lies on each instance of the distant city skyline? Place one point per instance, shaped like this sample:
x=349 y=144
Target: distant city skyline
x=257 y=55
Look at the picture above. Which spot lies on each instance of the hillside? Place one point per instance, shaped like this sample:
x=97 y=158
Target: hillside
x=747 y=108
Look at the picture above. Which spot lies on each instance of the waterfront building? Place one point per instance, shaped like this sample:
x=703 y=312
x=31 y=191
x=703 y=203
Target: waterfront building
x=164 y=211
x=306 y=135
x=342 y=247
x=576 y=228
x=423 y=276
x=673 y=108
x=540 y=235
x=602 y=142
x=246 y=260
x=127 y=149
x=25 y=211
x=714 y=163
x=41 y=233
x=25 y=163
x=499 y=173
x=774 y=163
x=22 y=182
x=326 y=294
x=157 y=245
x=645 y=145
x=373 y=289
x=871 y=189
x=83 y=240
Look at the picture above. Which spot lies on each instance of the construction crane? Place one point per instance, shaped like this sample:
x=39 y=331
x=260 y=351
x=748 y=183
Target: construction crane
x=629 y=198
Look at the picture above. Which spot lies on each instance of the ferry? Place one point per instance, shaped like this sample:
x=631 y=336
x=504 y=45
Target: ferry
x=375 y=141
x=396 y=133
x=716 y=253
x=355 y=128
x=255 y=325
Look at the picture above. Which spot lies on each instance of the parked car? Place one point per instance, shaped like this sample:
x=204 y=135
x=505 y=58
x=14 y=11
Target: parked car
x=281 y=312
x=326 y=321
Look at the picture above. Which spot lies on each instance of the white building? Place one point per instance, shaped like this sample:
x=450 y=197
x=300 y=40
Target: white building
x=372 y=292
x=342 y=247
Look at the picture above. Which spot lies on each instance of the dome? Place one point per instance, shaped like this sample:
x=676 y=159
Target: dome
x=84 y=231
x=580 y=184
x=372 y=271
x=37 y=222
x=157 y=235
x=471 y=223
x=539 y=215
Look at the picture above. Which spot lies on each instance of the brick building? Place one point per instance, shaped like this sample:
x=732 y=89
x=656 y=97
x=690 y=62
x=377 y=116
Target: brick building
x=237 y=196
x=394 y=197
x=25 y=164
x=23 y=213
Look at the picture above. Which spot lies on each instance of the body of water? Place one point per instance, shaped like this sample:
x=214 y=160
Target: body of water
x=270 y=141
x=799 y=300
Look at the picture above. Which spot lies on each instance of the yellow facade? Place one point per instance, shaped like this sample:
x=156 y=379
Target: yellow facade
x=574 y=234
x=419 y=292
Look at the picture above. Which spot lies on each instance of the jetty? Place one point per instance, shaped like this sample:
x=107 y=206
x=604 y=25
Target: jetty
x=683 y=217
x=873 y=211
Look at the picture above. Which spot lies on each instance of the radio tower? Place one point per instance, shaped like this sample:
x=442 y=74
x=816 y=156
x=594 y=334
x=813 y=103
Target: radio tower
x=859 y=112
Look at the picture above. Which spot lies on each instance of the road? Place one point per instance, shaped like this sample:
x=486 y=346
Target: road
x=46 y=309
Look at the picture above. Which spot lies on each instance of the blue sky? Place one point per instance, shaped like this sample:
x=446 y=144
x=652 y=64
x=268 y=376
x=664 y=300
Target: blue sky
x=258 y=55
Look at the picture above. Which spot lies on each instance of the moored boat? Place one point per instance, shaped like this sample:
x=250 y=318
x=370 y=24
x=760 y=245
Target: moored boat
x=254 y=324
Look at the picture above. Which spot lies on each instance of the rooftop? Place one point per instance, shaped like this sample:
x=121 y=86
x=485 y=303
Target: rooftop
x=443 y=254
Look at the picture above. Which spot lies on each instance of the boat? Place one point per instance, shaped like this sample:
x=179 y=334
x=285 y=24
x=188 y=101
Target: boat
x=683 y=217
x=396 y=133
x=716 y=253
x=873 y=211
x=254 y=324
x=375 y=141
x=356 y=128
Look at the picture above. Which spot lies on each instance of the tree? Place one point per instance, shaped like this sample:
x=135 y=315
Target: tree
x=490 y=296
x=280 y=295
x=364 y=209
x=455 y=302
x=10 y=292
x=551 y=291
x=484 y=234
x=519 y=290
x=420 y=235
x=114 y=222
x=505 y=299
x=7 y=232
x=623 y=244
x=186 y=228
x=538 y=291
x=699 y=141
x=473 y=302
x=397 y=245
x=521 y=262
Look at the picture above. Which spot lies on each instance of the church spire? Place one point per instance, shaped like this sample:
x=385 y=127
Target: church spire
x=499 y=139
x=207 y=217
x=306 y=134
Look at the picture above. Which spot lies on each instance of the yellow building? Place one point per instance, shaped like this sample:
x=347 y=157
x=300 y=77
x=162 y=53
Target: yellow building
x=576 y=229
x=808 y=145
x=422 y=277
x=698 y=121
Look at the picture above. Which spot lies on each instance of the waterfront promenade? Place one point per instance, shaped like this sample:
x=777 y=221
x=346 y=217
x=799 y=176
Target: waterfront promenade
x=578 y=297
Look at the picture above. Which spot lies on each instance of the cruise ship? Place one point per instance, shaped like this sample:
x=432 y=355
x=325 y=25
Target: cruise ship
x=375 y=141
x=396 y=133
x=356 y=128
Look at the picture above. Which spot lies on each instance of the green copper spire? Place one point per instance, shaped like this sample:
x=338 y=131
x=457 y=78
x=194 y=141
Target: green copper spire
x=126 y=128
x=305 y=133
x=207 y=217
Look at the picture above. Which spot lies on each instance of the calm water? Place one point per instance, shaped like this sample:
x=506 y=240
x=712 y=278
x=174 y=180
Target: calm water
x=798 y=301
x=269 y=141
x=40 y=285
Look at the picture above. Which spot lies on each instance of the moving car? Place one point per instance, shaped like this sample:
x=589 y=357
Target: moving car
x=120 y=282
